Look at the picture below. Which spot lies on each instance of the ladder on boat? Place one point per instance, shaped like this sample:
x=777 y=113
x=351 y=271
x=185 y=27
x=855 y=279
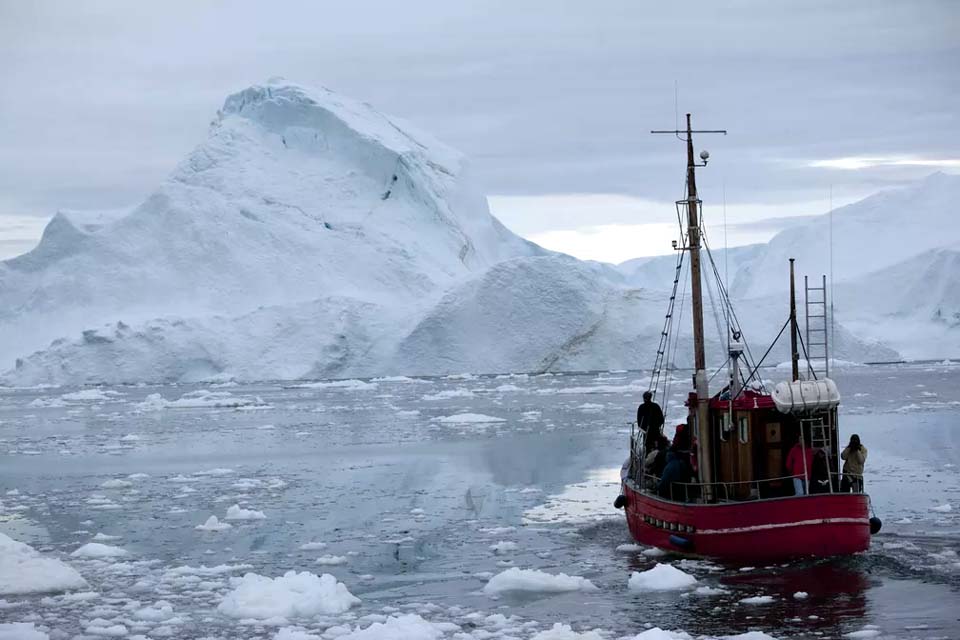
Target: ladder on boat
x=818 y=351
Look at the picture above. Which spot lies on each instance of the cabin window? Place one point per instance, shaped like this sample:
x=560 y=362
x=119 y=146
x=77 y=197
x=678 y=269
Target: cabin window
x=744 y=430
x=724 y=427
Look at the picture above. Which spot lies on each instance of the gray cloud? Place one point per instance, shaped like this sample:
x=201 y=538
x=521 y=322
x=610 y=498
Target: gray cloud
x=100 y=100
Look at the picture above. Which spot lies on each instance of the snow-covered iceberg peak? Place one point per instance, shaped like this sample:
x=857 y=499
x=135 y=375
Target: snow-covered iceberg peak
x=321 y=120
x=296 y=195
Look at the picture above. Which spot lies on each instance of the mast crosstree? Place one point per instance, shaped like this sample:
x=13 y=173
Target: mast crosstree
x=704 y=446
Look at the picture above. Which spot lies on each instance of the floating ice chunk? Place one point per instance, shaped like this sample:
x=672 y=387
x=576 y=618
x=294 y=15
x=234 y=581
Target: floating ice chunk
x=467 y=418
x=565 y=632
x=219 y=471
x=863 y=633
x=630 y=548
x=24 y=570
x=352 y=385
x=292 y=633
x=292 y=595
x=200 y=399
x=88 y=395
x=503 y=547
x=332 y=560
x=801 y=595
x=97 y=550
x=417 y=512
x=103 y=537
x=407 y=627
x=116 y=484
x=160 y=611
x=515 y=579
x=709 y=591
x=236 y=513
x=130 y=437
x=313 y=546
x=213 y=524
x=656 y=633
x=138 y=476
x=101 y=627
x=407 y=413
x=21 y=631
x=662 y=577
x=446 y=394
x=942 y=508
x=497 y=531
x=903 y=521
x=654 y=552
x=757 y=600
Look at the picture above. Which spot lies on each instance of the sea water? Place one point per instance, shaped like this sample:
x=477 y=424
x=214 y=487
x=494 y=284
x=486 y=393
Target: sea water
x=415 y=492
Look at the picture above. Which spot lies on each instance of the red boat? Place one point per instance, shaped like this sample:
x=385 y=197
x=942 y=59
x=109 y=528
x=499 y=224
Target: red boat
x=725 y=492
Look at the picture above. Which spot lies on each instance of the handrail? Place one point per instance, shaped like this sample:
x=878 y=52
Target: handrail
x=724 y=491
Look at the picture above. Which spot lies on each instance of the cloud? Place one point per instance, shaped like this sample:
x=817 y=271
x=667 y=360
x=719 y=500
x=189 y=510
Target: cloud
x=99 y=101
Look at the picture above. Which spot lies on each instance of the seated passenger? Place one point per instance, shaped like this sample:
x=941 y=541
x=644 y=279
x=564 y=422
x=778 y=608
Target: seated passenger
x=677 y=469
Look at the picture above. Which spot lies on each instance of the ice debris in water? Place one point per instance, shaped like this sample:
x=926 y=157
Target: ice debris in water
x=467 y=418
x=24 y=570
x=942 y=508
x=213 y=524
x=565 y=632
x=515 y=579
x=292 y=595
x=21 y=631
x=801 y=595
x=757 y=600
x=97 y=550
x=236 y=513
x=662 y=577
x=329 y=560
x=503 y=546
x=407 y=627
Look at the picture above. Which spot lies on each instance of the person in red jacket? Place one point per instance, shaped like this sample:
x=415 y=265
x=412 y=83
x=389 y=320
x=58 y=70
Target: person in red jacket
x=800 y=466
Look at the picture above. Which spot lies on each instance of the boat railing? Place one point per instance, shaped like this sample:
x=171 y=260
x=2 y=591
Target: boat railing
x=739 y=491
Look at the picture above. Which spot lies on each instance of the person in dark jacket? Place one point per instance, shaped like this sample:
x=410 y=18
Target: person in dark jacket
x=820 y=473
x=650 y=419
x=678 y=468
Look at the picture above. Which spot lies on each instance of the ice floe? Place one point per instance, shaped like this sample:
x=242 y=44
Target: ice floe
x=292 y=595
x=237 y=513
x=213 y=524
x=663 y=577
x=468 y=418
x=98 y=550
x=515 y=579
x=24 y=570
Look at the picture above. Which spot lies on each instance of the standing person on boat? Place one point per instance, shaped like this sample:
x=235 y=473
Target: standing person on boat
x=854 y=456
x=800 y=466
x=649 y=420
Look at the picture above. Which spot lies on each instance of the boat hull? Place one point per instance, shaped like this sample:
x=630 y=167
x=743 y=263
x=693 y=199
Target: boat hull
x=819 y=525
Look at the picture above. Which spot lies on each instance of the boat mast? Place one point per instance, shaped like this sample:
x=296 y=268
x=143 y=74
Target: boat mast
x=704 y=439
x=794 y=354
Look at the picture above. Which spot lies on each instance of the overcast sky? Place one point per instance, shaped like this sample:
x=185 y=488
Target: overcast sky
x=553 y=100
